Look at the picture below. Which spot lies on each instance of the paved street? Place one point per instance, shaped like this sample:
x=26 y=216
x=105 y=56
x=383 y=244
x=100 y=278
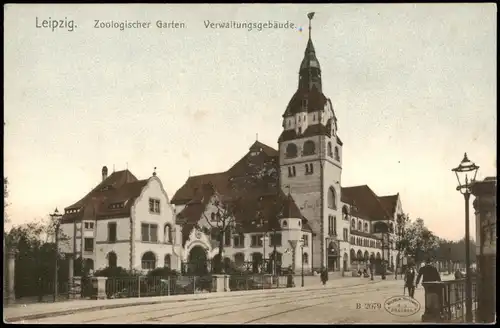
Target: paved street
x=331 y=304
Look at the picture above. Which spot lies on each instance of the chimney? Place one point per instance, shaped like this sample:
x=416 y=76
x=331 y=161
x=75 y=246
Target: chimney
x=104 y=173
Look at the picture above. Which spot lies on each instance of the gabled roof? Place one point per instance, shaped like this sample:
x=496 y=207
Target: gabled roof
x=390 y=203
x=113 y=197
x=242 y=171
x=366 y=203
x=252 y=182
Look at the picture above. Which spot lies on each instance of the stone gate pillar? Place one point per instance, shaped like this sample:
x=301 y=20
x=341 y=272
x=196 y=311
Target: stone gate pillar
x=11 y=272
x=71 y=264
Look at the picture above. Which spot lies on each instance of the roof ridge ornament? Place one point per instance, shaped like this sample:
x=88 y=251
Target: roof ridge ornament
x=310 y=16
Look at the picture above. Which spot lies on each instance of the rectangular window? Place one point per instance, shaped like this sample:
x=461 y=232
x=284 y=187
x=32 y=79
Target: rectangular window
x=289 y=171
x=276 y=239
x=239 y=240
x=154 y=205
x=334 y=225
x=89 y=225
x=256 y=241
x=227 y=238
x=112 y=232
x=149 y=232
x=305 y=238
x=331 y=228
x=346 y=234
x=88 y=244
x=293 y=170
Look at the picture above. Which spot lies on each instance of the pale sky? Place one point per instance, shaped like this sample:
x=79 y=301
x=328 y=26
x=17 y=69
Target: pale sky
x=413 y=87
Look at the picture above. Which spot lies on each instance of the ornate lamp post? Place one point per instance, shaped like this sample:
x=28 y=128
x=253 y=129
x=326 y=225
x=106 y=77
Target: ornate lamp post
x=56 y=219
x=466 y=175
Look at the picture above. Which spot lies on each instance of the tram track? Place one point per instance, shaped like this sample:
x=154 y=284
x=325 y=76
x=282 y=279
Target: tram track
x=322 y=295
x=201 y=305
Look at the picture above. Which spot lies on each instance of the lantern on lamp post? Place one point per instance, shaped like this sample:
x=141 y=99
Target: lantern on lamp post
x=466 y=175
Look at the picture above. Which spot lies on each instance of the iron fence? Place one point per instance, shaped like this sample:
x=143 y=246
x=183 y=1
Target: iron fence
x=454 y=300
x=145 y=286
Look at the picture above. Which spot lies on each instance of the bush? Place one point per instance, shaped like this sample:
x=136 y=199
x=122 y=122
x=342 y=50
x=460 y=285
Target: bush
x=112 y=272
x=163 y=272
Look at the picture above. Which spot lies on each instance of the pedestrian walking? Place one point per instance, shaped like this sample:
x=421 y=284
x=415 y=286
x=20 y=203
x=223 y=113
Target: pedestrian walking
x=428 y=273
x=324 y=276
x=409 y=280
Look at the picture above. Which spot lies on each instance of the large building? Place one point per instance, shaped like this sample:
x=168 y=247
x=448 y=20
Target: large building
x=293 y=196
x=122 y=222
x=341 y=226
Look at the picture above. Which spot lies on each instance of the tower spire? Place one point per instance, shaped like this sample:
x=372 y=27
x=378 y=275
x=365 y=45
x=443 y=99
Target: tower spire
x=310 y=16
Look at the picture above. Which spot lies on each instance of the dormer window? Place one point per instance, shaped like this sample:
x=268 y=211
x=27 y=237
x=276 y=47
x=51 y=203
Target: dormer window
x=304 y=103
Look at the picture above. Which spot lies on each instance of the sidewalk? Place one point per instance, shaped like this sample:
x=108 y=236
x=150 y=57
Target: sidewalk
x=44 y=310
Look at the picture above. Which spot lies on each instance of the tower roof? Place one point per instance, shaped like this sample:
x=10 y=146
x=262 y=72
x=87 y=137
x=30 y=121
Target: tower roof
x=310 y=60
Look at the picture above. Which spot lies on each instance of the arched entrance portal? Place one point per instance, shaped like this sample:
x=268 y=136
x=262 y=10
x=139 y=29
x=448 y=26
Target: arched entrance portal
x=197 y=263
x=333 y=257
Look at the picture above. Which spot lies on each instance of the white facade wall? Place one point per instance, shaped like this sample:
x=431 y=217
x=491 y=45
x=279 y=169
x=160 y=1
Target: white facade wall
x=142 y=214
x=121 y=247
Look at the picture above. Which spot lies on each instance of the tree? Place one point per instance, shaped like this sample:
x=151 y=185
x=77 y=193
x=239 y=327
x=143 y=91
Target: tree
x=5 y=197
x=402 y=222
x=222 y=220
x=420 y=241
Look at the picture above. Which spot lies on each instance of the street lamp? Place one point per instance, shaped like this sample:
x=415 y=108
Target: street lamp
x=301 y=241
x=264 y=242
x=466 y=175
x=383 y=257
x=275 y=252
x=56 y=220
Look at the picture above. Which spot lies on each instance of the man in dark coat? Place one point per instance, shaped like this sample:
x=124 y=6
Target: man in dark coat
x=410 y=280
x=324 y=276
x=428 y=273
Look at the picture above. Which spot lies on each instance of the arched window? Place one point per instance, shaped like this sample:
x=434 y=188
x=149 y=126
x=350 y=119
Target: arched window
x=353 y=224
x=329 y=150
x=285 y=224
x=309 y=148
x=239 y=259
x=112 y=260
x=332 y=198
x=345 y=213
x=148 y=261
x=359 y=256
x=291 y=150
x=337 y=155
x=353 y=255
x=306 y=258
x=366 y=227
x=168 y=261
x=256 y=262
x=360 y=226
x=168 y=233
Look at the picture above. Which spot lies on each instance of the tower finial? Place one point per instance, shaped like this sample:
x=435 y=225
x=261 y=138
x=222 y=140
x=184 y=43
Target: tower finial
x=310 y=16
x=256 y=137
x=154 y=172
